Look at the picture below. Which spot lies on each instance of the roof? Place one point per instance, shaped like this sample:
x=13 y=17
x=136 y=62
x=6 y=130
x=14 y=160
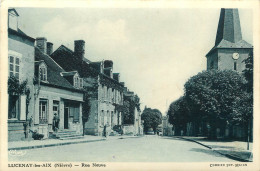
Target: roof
x=20 y=33
x=229 y=26
x=72 y=73
x=54 y=77
x=12 y=9
x=70 y=62
x=229 y=33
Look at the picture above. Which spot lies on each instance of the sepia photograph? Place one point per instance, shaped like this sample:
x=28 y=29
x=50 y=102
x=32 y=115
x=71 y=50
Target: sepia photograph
x=87 y=86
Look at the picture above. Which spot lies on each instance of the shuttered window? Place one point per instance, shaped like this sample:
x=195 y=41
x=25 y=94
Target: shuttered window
x=14 y=66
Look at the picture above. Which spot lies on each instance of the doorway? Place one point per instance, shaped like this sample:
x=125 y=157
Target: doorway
x=66 y=118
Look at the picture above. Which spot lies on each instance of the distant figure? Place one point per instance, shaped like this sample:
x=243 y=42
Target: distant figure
x=55 y=123
x=105 y=131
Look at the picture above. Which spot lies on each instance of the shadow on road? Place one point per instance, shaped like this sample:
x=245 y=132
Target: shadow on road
x=206 y=151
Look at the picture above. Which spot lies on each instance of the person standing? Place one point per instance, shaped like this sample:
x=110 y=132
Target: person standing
x=55 y=123
x=105 y=131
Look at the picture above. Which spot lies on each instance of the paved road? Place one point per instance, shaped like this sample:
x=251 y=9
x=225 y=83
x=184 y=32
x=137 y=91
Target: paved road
x=146 y=149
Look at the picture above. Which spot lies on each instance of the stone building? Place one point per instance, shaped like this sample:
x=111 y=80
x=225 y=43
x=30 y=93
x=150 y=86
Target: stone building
x=103 y=86
x=230 y=49
x=57 y=92
x=228 y=53
x=21 y=65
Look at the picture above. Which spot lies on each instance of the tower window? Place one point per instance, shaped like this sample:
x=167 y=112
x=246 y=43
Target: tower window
x=235 y=66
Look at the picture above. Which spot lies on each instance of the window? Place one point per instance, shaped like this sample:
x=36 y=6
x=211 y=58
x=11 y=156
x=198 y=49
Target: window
x=56 y=108
x=13 y=107
x=43 y=73
x=80 y=83
x=14 y=66
x=43 y=111
x=75 y=81
x=235 y=66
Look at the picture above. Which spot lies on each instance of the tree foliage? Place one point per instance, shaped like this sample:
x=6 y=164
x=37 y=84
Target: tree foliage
x=129 y=105
x=152 y=118
x=214 y=93
x=179 y=112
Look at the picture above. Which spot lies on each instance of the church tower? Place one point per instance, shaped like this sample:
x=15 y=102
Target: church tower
x=230 y=49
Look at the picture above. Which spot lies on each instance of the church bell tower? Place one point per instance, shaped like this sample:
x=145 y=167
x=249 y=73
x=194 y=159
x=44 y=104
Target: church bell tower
x=230 y=49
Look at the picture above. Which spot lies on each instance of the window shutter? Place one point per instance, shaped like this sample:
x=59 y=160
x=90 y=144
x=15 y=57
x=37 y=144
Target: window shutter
x=23 y=108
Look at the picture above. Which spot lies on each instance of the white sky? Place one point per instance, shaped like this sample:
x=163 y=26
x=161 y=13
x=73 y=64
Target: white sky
x=155 y=50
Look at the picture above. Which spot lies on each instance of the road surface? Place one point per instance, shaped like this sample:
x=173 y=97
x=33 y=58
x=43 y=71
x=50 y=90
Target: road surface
x=150 y=148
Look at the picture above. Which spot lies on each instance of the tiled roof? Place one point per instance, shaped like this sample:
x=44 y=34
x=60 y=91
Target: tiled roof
x=69 y=62
x=53 y=71
x=66 y=58
x=226 y=44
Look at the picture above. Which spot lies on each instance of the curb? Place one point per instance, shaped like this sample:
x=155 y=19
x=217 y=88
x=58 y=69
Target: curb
x=63 y=143
x=55 y=144
x=226 y=155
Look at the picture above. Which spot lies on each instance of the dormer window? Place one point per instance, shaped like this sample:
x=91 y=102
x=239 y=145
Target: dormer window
x=43 y=72
x=78 y=82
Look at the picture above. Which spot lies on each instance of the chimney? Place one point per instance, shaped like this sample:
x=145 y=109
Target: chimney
x=49 y=48
x=41 y=44
x=79 y=48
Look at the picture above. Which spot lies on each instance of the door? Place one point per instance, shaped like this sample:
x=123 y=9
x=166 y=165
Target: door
x=66 y=118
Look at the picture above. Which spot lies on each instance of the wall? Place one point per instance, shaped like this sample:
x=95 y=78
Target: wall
x=227 y=62
x=105 y=102
x=25 y=48
x=56 y=94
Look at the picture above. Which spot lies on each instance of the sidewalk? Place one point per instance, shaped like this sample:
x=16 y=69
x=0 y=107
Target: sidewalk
x=30 y=144
x=236 y=150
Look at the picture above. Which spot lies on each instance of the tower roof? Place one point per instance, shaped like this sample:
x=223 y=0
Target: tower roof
x=229 y=26
x=229 y=33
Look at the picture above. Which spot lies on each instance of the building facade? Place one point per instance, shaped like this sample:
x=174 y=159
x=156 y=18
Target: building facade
x=103 y=86
x=56 y=93
x=21 y=67
x=230 y=50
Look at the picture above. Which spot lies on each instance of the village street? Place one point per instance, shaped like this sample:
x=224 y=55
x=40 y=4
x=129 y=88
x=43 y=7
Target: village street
x=150 y=148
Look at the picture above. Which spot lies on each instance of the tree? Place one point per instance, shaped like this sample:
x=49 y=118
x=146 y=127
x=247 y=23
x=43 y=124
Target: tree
x=85 y=109
x=16 y=89
x=179 y=114
x=248 y=72
x=152 y=118
x=243 y=111
x=213 y=94
x=130 y=104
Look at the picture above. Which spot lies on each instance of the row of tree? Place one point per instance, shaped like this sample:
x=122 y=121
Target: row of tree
x=216 y=98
